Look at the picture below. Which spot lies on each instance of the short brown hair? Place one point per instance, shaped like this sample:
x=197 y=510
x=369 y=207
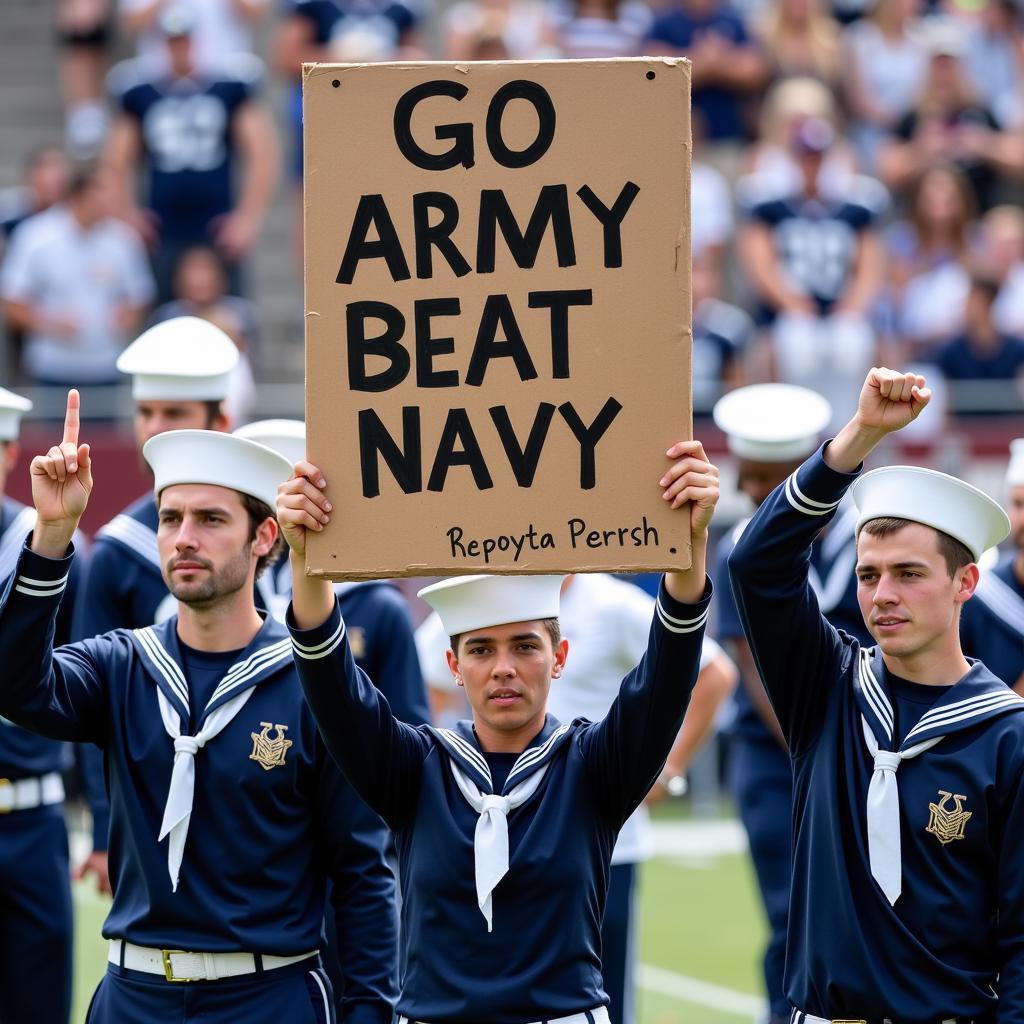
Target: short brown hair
x=258 y=512
x=553 y=626
x=954 y=552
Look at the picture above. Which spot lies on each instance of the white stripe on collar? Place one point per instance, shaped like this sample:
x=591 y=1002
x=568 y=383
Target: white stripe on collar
x=255 y=663
x=469 y=752
x=1002 y=600
x=975 y=707
x=874 y=693
x=530 y=757
x=164 y=663
x=134 y=535
x=13 y=540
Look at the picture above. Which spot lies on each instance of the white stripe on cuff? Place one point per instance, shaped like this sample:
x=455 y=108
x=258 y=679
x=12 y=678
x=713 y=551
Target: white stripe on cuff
x=680 y=625
x=806 y=505
x=321 y=650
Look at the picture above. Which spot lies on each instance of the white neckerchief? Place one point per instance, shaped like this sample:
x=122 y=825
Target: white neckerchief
x=884 y=850
x=178 y=809
x=490 y=840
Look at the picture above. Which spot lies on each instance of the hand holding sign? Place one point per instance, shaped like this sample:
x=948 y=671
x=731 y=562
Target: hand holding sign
x=691 y=481
x=61 y=485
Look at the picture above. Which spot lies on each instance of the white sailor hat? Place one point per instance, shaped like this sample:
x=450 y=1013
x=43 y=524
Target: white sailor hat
x=210 y=457
x=185 y=359
x=470 y=602
x=772 y=422
x=285 y=436
x=12 y=408
x=1015 y=469
x=934 y=499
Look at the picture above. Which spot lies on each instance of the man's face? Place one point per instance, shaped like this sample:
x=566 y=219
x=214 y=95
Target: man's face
x=154 y=417
x=507 y=672
x=758 y=479
x=203 y=537
x=1015 y=510
x=905 y=593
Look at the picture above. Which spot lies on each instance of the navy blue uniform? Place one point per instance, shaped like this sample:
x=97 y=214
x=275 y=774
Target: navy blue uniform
x=264 y=837
x=815 y=239
x=36 y=926
x=952 y=945
x=186 y=128
x=992 y=622
x=759 y=771
x=542 y=959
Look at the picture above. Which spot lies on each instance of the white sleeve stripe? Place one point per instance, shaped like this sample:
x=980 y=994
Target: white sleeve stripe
x=331 y=641
x=681 y=622
x=810 y=501
x=28 y=581
x=791 y=498
x=31 y=592
x=697 y=623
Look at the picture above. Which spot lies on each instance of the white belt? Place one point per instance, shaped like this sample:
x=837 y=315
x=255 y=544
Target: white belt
x=599 y=1015
x=799 y=1017
x=24 y=794
x=178 y=965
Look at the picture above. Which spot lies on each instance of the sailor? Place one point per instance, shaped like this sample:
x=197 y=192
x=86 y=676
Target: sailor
x=180 y=371
x=228 y=814
x=606 y=620
x=992 y=625
x=36 y=925
x=770 y=429
x=908 y=759
x=505 y=825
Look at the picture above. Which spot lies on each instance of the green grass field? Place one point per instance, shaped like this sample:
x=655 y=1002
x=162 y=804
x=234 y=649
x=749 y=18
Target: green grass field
x=701 y=934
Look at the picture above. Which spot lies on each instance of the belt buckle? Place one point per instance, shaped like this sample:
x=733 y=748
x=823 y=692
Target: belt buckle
x=5 y=785
x=169 y=969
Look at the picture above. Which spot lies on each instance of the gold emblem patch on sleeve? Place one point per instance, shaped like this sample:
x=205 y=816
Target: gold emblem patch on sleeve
x=947 y=824
x=267 y=752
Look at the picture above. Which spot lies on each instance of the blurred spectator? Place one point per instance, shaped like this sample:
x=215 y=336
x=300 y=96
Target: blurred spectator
x=601 y=28
x=721 y=334
x=801 y=38
x=928 y=255
x=994 y=58
x=789 y=105
x=711 y=212
x=524 y=29
x=884 y=70
x=982 y=357
x=331 y=30
x=84 y=36
x=950 y=122
x=728 y=68
x=1003 y=255
x=193 y=133
x=815 y=260
x=47 y=172
x=76 y=281
x=220 y=28
x=200 y=287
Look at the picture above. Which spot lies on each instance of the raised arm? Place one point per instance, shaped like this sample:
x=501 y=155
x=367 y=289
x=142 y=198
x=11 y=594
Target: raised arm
x=795 y=648
x=381 y=756
x=626 y=751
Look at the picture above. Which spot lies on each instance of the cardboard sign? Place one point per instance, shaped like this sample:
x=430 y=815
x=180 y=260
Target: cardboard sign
x=497 y=314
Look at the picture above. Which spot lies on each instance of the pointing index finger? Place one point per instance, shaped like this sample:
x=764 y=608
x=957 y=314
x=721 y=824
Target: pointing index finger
x=71 y=417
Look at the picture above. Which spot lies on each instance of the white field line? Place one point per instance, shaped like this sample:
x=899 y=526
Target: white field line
x=698 y=839
x=700 y=993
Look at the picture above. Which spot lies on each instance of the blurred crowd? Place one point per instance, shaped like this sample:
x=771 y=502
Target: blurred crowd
x=858 y=170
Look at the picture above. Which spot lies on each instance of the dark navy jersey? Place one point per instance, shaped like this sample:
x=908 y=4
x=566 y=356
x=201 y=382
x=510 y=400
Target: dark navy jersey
x=815 y=240
x=992 y=622
x=721 y=333
x=542 y=959
x=952 y=945
x=380 y=635
x=272 y=816
x=124 y=588
x=186 y=127
x=831 y=574
x=324 y=16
